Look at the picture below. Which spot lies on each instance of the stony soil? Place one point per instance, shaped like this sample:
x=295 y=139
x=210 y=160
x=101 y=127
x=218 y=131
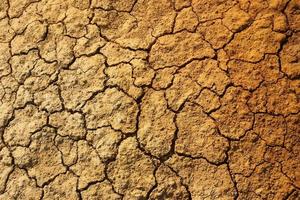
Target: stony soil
x=150 y=99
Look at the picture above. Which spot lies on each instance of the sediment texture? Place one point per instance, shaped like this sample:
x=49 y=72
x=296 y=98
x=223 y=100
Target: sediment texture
x=150 y=99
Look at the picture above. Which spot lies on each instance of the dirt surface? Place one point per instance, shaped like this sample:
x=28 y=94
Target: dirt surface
x=150 y=99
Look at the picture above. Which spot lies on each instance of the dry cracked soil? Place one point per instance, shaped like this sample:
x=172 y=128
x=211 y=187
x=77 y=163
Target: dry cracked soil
x=150 y=99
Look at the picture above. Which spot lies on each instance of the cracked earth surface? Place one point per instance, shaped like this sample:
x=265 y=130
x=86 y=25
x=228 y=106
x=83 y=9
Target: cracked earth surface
x=149 y=99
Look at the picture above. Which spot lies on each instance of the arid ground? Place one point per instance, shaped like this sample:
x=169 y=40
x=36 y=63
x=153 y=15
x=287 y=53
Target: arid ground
x=150 y=99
